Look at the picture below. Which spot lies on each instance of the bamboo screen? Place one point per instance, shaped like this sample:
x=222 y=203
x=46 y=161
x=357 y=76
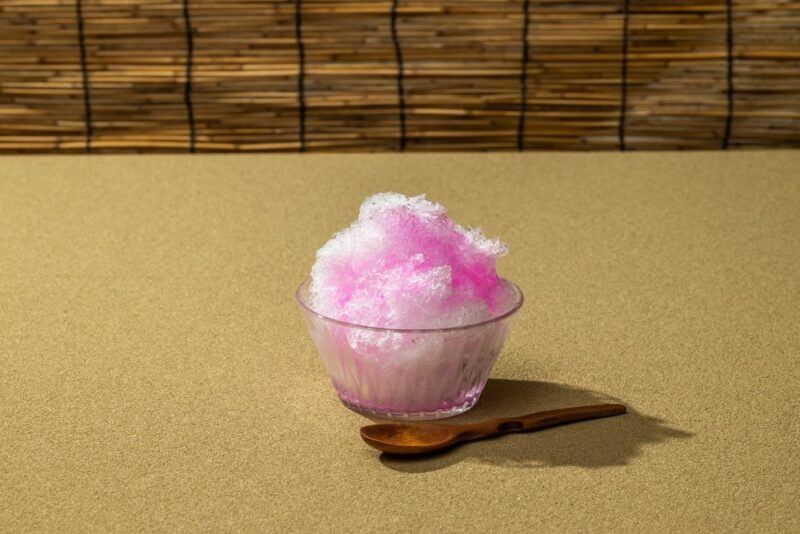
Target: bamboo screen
x=245 y=75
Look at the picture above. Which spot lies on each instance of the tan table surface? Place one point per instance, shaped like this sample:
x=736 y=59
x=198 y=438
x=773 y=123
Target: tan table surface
x=156 y=376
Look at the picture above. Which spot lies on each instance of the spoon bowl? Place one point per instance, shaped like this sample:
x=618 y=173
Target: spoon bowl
x=409 y=439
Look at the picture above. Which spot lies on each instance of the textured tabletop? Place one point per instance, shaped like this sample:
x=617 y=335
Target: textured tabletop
x=155 y=374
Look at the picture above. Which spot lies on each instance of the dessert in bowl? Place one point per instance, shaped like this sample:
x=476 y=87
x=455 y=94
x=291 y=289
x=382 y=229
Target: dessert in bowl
x=407 y=310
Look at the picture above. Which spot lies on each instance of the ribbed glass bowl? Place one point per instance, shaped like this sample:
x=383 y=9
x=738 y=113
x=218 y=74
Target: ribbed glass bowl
x=411 y=374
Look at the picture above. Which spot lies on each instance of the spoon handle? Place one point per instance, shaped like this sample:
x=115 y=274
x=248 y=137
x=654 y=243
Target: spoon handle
x=539 y=420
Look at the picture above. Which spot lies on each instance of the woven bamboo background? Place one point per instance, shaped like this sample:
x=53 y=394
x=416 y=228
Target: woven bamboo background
x=246 y=75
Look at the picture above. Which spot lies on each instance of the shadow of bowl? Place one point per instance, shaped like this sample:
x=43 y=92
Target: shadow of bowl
x=591 y=444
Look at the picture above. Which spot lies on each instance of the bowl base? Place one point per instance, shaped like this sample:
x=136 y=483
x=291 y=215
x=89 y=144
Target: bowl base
x=411 y=416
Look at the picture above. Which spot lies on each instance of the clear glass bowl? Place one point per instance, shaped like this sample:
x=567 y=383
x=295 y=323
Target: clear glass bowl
x=404 y=373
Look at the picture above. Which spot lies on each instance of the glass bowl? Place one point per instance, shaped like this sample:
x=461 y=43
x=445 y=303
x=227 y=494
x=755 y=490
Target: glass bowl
x=410 y=374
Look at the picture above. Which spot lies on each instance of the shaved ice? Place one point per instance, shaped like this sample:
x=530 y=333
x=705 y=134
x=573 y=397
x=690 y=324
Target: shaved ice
x=404 y=264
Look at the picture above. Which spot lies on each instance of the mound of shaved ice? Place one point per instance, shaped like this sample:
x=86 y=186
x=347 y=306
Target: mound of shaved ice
x=405 y=264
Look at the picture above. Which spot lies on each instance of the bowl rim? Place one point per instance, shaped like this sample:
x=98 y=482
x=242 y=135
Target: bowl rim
x=514 y=309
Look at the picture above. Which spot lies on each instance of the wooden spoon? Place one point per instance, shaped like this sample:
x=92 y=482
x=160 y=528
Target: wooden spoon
x=422 y=438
